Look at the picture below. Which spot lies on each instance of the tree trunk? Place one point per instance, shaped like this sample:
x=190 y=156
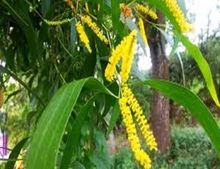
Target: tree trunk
x=159 y=105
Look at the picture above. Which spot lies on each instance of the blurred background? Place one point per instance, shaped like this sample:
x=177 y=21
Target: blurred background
x=36 y=60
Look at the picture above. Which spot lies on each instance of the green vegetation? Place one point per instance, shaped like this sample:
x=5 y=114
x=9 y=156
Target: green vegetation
x=65 y=72
x=191 y=148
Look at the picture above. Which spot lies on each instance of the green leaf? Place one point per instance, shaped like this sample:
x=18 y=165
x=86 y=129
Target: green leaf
x=20 y=13
x=73 y=139
x=194 y=104
x=44 y=145
x=115 y=12
x=101 y=10
x=203 y=66
x=14 y=154
x=193 y=49
x=114 y=118
x=77 y=165
x=45 y=6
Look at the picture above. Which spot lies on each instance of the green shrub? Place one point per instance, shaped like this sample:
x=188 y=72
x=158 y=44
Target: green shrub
x=190 y=149
x=124 y=159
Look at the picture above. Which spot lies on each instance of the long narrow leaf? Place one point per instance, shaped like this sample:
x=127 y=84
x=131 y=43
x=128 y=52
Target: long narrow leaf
x=20 y=13
x=203 y=66
x=114 y=118
x=45 y=142
x=74 y=135
x=193 y=49
x=14 y=154
x=194 y=104
x=115 y=9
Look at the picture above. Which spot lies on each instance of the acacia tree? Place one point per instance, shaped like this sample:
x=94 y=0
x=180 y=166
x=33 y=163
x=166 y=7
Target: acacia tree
x=71 y=130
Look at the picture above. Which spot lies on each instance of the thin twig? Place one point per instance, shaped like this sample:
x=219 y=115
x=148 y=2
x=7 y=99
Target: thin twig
x=14 y=76
x=9 y=149
x=12 y=94
x=5 y=159
x=65 y=49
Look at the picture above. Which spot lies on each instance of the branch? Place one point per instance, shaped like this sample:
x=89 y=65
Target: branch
x=15 y=77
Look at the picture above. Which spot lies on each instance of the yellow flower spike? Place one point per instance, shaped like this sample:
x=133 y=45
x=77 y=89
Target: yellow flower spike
x=83 y=37
x=144 y=159
x=113 y=60
x=140 y=118
x=140 y=155
x=120 y=51
x=178 y=15
x=125 y=51
x=88 y=20
x=128 y=55
x=142 y=30
x=146 y=10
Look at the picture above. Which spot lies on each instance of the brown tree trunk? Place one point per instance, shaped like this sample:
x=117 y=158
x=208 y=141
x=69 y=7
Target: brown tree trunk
x=159 y=105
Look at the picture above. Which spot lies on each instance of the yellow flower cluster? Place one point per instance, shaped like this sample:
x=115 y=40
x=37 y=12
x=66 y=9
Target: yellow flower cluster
x=128 y=103
x=128 y=56
x=178 y=14
x=1 y=97
x=141 y=156
x=139 y=116
x=88 y=20
x=142 y=30
x=113 y=60
x=83 y=37
x=124 y=51
x=146 y=10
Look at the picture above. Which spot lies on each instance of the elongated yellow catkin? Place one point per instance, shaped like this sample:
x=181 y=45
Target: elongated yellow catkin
x=1 y=97
x=140 y=155
x=178 y=15
x=142 y=30
x=83 y=37
x=88 y=20
x=146 y=10
x=125 y=51
x=110 y=69
x=128 y=55
x=128 y=103
x=140 y=118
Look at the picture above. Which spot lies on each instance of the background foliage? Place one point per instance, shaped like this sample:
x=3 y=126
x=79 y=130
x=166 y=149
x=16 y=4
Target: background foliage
x=42 y=58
